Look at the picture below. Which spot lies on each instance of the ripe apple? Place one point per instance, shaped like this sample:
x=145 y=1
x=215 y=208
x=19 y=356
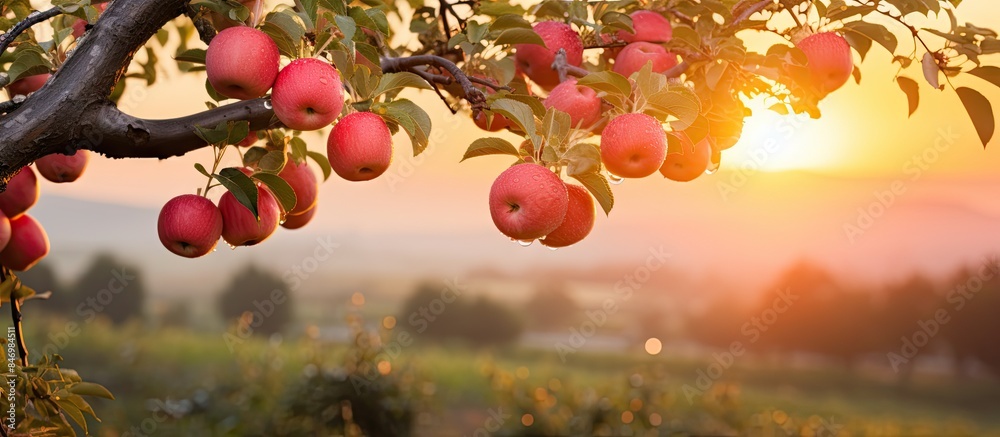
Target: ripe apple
x=221 y=22
x=250 y=140
x=308 y=94
x=690 y=162
x=21 y=193
x=61 y=168
x=27 y=85
x=498 y=123
x=299 y=220
x=535 y=61
x=240 y=228
x=360 y=147
x=649 y=26
x=633 y=145
x=578 y=222
x=189 y=225
x=636 y=55
x=4 y=231
x=303 y=182
x=528 y=201
x=242 y=63
x=28 y=244
x=830 y=60
x=580 y=102
x=80 y=25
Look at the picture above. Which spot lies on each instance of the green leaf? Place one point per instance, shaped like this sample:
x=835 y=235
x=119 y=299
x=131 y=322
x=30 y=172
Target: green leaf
x=613 y=87
x=599 y=187
x=874 y=32
x=201 y=169
x=490 y=146
x=242 y=187
x=519 y=36
x=583 y=158
x=273 y=161
x=392 y=82
x=555 y=129
x=287 y=31
x=505 y=22
x=93 y=389
x=520 y=114
x=980 y=111
x=238 y=131
x=912 y=91
x=931 y=71
x=253 y=155
x=324 y=163
x=74 y=413
x=413 y=119
x=347 y=26
x=215 y=135
x=989 y=73
x=311 y=10
x=196 y=56
x=281 y=190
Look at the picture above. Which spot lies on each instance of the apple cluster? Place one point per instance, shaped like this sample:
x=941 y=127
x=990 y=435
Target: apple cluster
x=529 y=201
x=243 y=62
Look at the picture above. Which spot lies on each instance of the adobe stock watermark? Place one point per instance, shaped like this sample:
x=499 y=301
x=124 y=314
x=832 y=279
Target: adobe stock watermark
x=88 y=310
x=419 y=320
x=623 y=290
x=927 y=329
x=886 y=198
x=293 y=277
x=752 y=330
x=492 y=424
x=759 y=155
x=10 y=419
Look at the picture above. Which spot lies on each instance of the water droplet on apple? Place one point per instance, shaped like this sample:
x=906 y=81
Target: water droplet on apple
x=323 y=81
x=231 y=247
x=615 y=180
x=551 y=248
x=525 y=243
x=712 y=168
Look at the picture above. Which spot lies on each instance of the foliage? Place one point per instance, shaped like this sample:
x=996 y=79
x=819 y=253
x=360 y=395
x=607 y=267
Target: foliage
x=253 y=291
x=478 y=321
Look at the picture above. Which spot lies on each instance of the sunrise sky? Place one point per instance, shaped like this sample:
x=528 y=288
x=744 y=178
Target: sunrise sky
x=752 y=217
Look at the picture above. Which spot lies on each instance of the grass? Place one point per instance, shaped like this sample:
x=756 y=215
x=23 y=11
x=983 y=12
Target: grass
x=183 y=368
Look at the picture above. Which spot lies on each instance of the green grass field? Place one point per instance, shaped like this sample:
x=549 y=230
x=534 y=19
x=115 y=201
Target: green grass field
x=205 y=389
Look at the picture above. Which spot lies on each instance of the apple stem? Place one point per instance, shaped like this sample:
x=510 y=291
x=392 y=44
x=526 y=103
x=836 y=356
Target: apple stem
x=562 y=66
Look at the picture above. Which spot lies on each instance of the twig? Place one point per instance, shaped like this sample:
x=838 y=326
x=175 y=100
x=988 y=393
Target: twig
x=206 y=31
x=15 y=314
x=484 y=82
x=31 y=20
x=11 y=104
x=562 y=66
x=434 y=80
x=474 y=95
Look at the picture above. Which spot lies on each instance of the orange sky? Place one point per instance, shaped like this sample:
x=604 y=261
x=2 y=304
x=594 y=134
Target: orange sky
x=863 y=143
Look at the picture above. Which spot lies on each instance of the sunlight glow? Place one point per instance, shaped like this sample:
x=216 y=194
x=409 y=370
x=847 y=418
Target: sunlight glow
x=775 y=142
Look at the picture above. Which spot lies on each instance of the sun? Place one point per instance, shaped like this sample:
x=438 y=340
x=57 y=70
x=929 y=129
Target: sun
x=775 y=142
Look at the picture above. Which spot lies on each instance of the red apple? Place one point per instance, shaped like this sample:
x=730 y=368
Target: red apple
x=308 y=94
x=689 y=162
x=528 y=201
x=80 y=25
x=303 y=182
x=360 y=147
x=636 y=55
x=240 y=228
x=4 y=230
x=580 y=102
x=633 y=145
x=498 y=122
x=250 y=140
x=299 y=220
x=27 y=85
x=60 y=168
x=578 y=222
x=189 y=225
x=649 y=26
x=28 y=244
x=535 y=61
x=242 y=63
x=830 y=60
x=21 y=193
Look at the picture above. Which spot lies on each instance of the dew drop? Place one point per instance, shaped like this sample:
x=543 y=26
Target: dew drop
x=516 y=180
x=525 y=243
x=231 y=247
x=615 y=180
x=712 y=168
x=323 y=81
x=552 y=248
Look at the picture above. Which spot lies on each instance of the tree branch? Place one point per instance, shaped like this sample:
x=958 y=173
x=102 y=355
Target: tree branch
x=474 y=95
x=15 y=314
x=31 y=20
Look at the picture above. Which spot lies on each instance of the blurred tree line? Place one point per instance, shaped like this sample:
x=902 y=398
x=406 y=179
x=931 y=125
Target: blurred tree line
x=898 y=323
